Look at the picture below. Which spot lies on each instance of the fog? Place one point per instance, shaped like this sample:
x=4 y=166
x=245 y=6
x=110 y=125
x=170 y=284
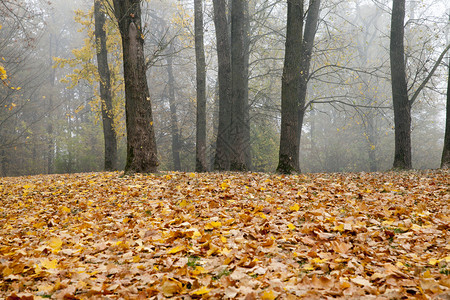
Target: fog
x=50 y=107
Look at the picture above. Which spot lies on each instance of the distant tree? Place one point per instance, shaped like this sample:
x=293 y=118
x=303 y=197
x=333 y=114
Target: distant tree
x=200 y=157
x=176 y=145
x=141 y=144
x=290 y=88
x=223 y=143
x=109 y=133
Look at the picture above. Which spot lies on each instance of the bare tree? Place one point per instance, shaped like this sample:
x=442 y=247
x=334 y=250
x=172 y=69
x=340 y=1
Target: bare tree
x=402 y=105
x=200 y=157
x=311 y=23
x=238 y=85
x=290 y=88
x=223 y=144
x=141 y=144
x=109 y=133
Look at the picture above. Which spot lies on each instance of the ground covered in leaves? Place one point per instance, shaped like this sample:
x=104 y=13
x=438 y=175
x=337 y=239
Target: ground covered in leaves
x=226 y=236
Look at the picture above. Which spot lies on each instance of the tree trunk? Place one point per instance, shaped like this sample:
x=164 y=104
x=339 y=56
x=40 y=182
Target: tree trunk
x=445 y=161
x=238 y=85
x=173 y=116
x=223 y=144
x=109 y=133
x=290 y=87
x=141 y=144
x=200 y=149
x=402 y=105
x=245 y=70
x=312 y=20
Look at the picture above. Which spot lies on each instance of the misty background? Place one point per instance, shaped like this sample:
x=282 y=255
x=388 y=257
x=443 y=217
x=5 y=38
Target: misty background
x=50 y=116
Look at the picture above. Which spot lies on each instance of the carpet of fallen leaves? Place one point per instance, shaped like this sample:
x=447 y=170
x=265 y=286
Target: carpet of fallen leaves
x=226 y=236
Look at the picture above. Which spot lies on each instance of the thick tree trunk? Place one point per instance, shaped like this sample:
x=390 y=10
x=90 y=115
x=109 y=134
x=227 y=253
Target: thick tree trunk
x=109 y=133
x=402 y=105
x=238 y=85
x=290 y=87
x=445 y=161
x=200 y=153
x=141 y=144
x=312 y=19
x=176 y=147
x=223 y=144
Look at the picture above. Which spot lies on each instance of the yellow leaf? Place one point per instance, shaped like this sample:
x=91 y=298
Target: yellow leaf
x=224 y=185
x=201 y=291
x=291 y=226
x=183 y=203
x=7 y=271
x=427 y=274
x=55 y=243
x=199 y=270
x=225 y=251
x=433 y=261
x=339 y=228
x=318 y=260
x=136 y=259
x=295 y=207
x=268 y=295
x=192 y=175
x=213 y=225
x=49 y=264
x=65 y=209
x=175 y=249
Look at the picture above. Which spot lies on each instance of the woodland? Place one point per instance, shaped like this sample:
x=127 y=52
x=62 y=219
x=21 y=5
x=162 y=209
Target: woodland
x=215 y=90
x=224 y=149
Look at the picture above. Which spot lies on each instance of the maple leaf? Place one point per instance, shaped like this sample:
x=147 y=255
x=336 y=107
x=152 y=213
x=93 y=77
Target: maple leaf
x=49 y=264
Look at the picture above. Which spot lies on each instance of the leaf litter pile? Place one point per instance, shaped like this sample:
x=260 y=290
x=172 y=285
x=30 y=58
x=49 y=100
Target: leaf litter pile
x=226 y=236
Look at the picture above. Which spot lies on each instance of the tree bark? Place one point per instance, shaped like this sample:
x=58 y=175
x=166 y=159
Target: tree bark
x=141 y=144
x=445 y=161
x=312 y=20
x=109 y=133
x=238 y=85
x=223 y=144
x=173 y=116
x=290 y=88
x=200 y=153
x=402 y=105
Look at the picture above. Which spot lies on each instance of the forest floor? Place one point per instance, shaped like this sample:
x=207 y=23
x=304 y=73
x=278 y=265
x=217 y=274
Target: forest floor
x=226 y=236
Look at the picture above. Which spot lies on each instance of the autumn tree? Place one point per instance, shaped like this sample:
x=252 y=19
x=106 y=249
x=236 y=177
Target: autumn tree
x=200 y=157
x=289 y=146
x=109 y=132
x=141 y=144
